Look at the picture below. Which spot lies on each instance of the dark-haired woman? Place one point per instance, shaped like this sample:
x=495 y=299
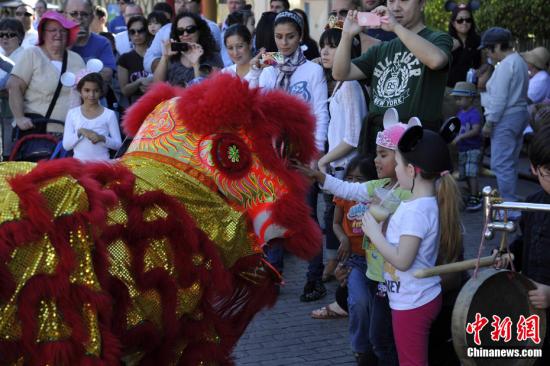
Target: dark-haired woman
x=11 y=37
x=132 y=77
x=311 y=48
x=265 y=37
x=238 y=42
x=304 y=79
x=199 y=49
x=462 y=28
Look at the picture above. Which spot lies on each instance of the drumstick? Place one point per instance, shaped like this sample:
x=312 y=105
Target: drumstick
x=458 y=266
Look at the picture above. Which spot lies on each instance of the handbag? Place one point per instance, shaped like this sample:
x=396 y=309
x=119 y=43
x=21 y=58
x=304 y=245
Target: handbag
x=36 y=144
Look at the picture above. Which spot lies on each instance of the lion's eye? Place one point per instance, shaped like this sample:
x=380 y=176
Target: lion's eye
x=231 y=155
x=281 y=147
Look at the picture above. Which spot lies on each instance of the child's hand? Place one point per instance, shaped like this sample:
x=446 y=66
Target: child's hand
x=322 y=165
x=95 y=137
x=344 y=249
x=309 y=172
x=540 y=297
x=371 y=227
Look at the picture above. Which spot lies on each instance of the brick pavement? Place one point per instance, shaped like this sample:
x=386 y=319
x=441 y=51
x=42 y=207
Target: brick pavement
x=286 y=336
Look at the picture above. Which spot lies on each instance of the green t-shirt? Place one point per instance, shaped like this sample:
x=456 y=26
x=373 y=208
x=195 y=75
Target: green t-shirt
x=375 y=261
x=398 y=79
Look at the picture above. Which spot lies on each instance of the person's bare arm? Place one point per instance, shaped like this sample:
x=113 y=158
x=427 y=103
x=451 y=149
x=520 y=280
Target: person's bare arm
x=343 y=68
x=16 y=91
x=426 y=52
x=126 y=87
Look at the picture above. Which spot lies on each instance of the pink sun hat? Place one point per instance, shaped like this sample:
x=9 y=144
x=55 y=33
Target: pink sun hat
x=393 y=129
x=69 y=25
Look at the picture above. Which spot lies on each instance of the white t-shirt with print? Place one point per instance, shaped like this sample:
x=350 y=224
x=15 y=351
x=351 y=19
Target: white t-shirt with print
x=419 y=218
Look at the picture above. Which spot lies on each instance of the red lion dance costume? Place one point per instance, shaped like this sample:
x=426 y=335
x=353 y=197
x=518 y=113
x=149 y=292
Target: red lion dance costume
x=155 y=259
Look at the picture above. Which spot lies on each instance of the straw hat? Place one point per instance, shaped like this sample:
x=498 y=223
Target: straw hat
x=538 y=57
x=464 y=89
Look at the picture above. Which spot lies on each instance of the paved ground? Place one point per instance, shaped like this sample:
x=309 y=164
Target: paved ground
x=285 y=335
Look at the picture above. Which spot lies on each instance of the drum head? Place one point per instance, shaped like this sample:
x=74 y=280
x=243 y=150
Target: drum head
x=499 y=293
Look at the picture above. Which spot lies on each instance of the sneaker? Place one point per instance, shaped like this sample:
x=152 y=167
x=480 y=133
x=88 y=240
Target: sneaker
x=473 y=203
x=313 y=291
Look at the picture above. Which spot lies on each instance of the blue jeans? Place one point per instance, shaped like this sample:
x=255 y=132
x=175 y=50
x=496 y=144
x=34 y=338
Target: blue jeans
x=506 y=141
x=380 y=325
x=358 y=305
x=275 y=253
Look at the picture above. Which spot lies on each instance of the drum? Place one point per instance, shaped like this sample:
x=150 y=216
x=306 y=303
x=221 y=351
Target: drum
x=503 y=294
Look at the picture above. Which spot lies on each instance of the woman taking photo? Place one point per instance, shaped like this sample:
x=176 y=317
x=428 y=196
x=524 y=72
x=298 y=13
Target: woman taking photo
x=238 y=42
x=190 y=48
x=132 y=77
x=35 y=77
x=305 y=79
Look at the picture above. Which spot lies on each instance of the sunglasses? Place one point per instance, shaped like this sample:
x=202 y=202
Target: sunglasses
x=189 y=30
x=462 y=20
x=75 y=14
x=24 y=14
x=341 y=13
x=8 y=35
x=136 y=31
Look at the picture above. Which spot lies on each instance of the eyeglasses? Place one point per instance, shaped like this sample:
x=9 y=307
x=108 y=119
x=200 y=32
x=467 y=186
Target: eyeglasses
x=23 y=14
x=136 y=31
x=75 y=14
x=56 y=31
x=189 y=30
x=8 y=35
x=341 y=13
x=462 y=20
x=543 y=175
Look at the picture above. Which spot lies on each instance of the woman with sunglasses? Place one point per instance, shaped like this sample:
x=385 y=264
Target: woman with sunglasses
x=132 y=76
x=465 y=54
x=191 y=47
x=11 y=37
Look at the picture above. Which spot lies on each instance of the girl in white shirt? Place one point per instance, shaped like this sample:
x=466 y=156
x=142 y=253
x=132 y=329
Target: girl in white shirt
x=238 y=42
x=421 y=228
x=91 y=129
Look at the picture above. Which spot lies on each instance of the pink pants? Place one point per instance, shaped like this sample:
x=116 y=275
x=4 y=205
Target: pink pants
x=411 y=330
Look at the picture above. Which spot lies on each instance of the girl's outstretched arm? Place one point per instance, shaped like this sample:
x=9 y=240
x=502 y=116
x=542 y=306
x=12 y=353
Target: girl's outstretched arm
x=401 y=256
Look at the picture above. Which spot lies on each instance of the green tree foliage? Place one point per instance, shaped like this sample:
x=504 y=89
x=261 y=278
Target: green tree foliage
x=524 y=18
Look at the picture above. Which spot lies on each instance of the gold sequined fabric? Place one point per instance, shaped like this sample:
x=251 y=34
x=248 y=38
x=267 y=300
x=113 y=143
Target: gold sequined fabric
x=64 y=195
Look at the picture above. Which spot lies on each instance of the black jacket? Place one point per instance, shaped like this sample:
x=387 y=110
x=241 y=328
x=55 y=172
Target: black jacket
x=532 y=248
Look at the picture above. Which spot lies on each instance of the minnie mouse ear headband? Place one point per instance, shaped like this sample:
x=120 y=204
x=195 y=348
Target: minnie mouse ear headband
x=393 y=129
x=69 y=79
x=427 y=149
x=292 y=17
x=452 y=6
x=71 y=27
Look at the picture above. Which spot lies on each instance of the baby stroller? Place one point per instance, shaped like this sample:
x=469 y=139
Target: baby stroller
x=39 y=144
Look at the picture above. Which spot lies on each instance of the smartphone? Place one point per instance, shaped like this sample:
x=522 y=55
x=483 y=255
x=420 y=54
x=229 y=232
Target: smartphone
x=180 y=47
x=368 y=19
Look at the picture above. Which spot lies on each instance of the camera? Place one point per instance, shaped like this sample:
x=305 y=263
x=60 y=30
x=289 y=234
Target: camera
x=180 y=47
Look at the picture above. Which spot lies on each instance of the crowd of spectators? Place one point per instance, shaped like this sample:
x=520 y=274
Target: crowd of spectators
x=351 y=78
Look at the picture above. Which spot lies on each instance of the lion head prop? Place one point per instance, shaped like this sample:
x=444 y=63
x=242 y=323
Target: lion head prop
x=156 y=258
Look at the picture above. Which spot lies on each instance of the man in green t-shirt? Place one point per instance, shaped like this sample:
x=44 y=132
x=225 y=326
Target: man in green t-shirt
x=408 y=73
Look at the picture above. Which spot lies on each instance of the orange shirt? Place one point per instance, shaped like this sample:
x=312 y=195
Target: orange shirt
x=353 y=213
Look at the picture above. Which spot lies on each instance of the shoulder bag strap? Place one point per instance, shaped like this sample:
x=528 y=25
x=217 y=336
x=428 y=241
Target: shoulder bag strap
x=59 y=86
